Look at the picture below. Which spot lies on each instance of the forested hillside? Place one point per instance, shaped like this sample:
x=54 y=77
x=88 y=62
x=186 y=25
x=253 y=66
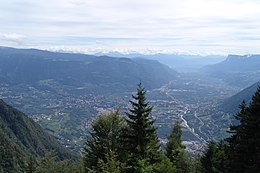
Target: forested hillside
x=93 y=73
x=21 y=138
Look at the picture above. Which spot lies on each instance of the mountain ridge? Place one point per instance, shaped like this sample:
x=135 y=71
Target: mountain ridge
x=231 y=104
x=236 y=70
x=17 y=65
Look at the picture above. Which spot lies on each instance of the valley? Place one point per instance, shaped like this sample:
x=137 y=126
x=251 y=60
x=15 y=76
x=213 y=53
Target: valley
x=65 y=93
x=68 y=115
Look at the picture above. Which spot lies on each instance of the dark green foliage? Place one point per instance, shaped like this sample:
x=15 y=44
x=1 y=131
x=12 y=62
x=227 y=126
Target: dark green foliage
x=174 y=140
x=244 y=142
x=175 y=150
x=195 y=164
x=164 y=166
x=141 y=166
x=11 y=155
x=49 y=164
x=112 y=164
x=103 y=141
x=215 y=158
x=21 y=138
x=241 y=153
x=140 y=137
x=30 y=165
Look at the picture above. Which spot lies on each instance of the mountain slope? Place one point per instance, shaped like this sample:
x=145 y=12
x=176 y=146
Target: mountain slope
x=236 y=70
x=231 y=105
x=21 y=138
x=179 y=62
x=102 y=73
x=185 y=63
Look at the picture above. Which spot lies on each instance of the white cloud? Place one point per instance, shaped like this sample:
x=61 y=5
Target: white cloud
x=155 y=24
x=12 y=37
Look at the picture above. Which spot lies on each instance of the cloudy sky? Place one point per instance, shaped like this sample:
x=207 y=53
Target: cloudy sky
x=185 y=26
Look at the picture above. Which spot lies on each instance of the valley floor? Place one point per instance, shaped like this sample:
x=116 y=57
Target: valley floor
x=68 y=112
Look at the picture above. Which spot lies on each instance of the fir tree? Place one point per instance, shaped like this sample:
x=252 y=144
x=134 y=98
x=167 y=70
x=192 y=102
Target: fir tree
x=112 y=164
x=215 y=158
x=31 y=165
x=174 y=140
x=140 y=136
x=104 y=139
x=244 y=143
x=175 y=150
x=164 y=166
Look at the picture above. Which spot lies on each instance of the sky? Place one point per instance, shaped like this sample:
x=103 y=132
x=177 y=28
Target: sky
x=145 y=26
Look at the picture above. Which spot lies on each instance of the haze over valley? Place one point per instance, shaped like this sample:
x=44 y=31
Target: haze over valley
x=65 y=92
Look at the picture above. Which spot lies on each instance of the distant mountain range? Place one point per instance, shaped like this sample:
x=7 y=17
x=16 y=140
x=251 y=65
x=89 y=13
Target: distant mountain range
x=231 y=104
x=179 y=62
x=21 y=137
x=95 y=72
x=241 y=71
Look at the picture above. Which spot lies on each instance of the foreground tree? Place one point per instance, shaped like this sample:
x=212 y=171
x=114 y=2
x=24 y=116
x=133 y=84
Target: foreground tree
x=174 y=141
x=175 y=150
x=112 y=164
x=140 y=137
x=50 y=164
x=215 y=158
x=31 y=165
x=104 y=139
x=244 y=143
x=164 y=166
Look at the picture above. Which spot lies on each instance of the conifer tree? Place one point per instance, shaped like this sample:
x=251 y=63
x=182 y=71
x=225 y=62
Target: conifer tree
x=244 y=143
x=103 y=140
x=215 y=158
x=140 y=136
x=113 y=165
x=174 y=140
x=175 y=150
x=31 y=166
x=164 y=166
